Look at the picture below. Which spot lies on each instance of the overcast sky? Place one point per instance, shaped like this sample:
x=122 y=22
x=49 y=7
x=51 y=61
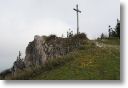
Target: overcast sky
x=20 y=20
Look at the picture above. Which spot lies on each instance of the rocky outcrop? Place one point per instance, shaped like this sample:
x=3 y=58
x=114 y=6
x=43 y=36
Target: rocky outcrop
x=43 y=48
x=35 y=54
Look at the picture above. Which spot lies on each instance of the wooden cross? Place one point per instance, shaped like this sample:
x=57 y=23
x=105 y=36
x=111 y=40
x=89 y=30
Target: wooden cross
x=77 y=11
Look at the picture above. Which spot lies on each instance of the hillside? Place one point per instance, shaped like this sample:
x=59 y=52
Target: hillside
x=89 y=62
x=94 y=60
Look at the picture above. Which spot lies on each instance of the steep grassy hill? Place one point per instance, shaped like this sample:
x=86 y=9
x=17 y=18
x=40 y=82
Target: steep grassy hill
x=90 y=62
x=96 y=60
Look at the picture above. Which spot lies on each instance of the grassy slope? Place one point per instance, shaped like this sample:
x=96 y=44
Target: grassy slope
x=88 y=63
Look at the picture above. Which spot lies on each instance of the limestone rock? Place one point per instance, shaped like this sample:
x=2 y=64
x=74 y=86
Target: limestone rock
x=35 y=54
x=43 y=48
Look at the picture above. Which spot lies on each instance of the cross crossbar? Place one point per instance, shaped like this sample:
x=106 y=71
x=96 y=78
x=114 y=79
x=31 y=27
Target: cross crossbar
x=77 y=10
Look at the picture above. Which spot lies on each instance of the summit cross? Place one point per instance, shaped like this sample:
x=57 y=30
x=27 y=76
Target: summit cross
x=77 y=12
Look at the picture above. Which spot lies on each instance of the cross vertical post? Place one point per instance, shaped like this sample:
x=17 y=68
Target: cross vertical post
x=77 y=11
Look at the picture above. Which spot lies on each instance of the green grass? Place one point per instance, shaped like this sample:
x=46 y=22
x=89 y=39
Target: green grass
x=112 y=41
x=88 y=63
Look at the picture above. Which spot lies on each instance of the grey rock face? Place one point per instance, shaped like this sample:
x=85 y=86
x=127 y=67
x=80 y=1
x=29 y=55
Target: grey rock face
x=35 y=54
x=43 y=48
